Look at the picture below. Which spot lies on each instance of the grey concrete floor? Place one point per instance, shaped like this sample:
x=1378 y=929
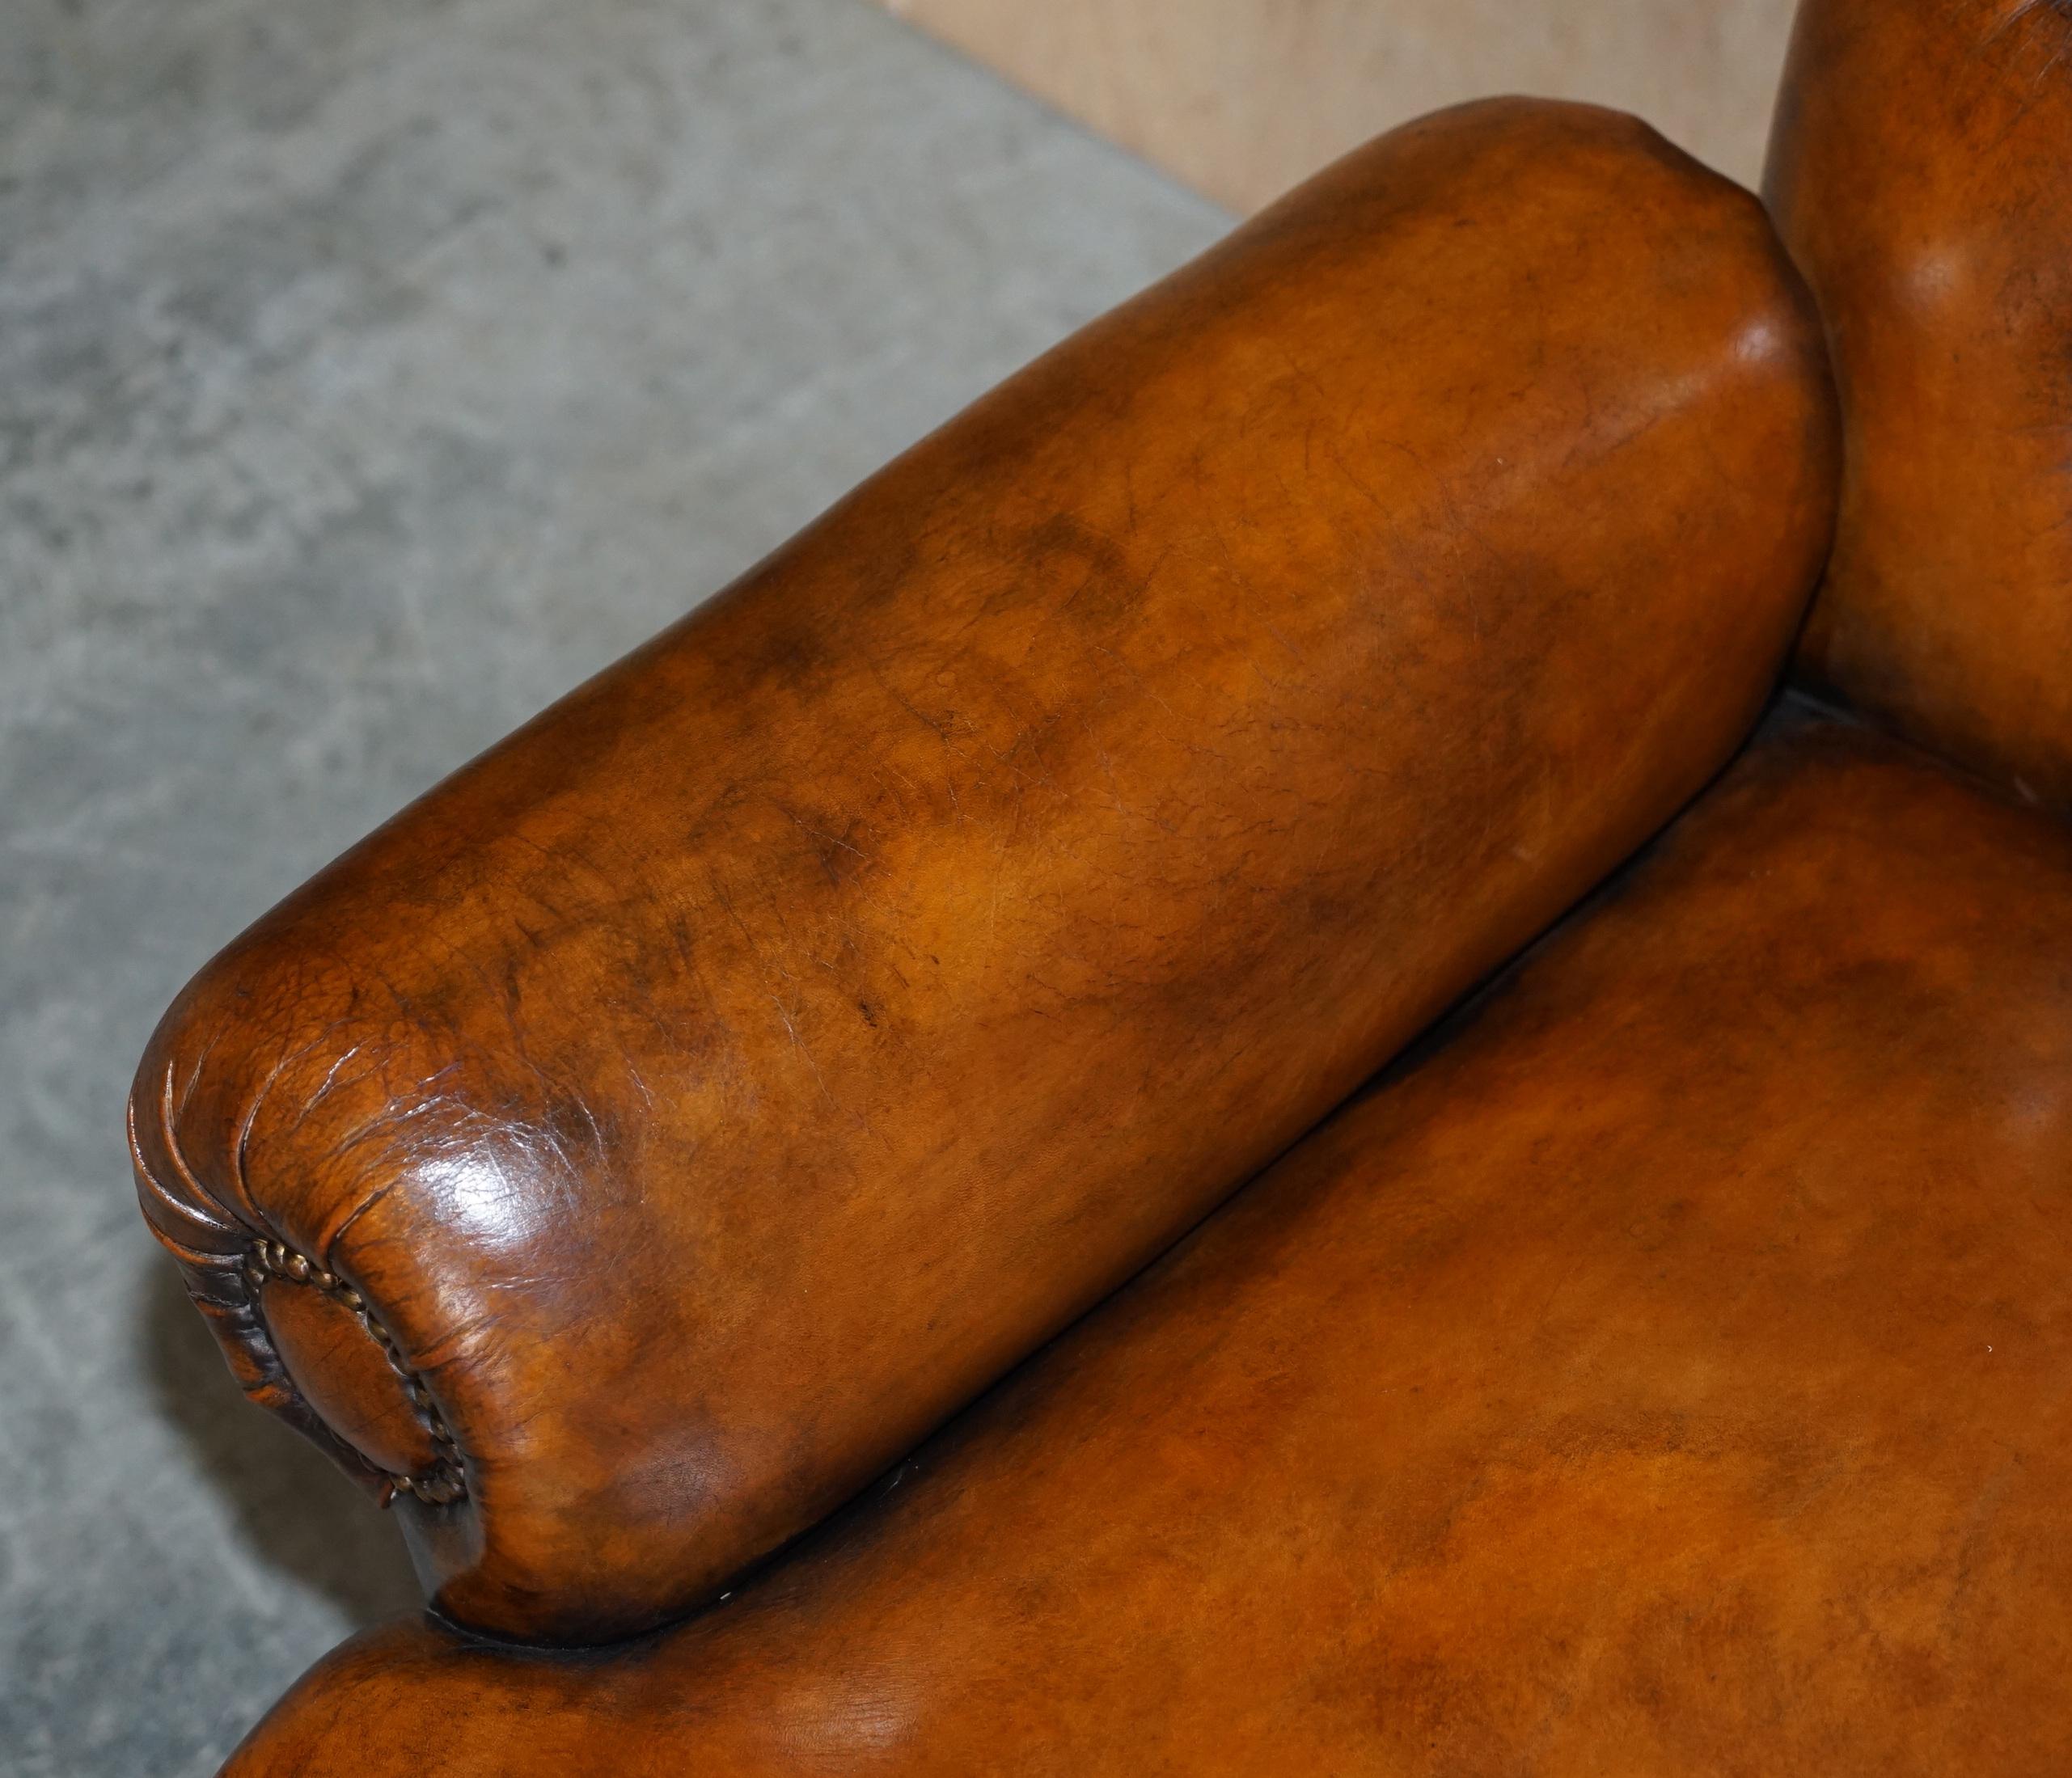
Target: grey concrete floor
x=371 y=371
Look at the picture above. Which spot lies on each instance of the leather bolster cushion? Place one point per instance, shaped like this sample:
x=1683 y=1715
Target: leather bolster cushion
x=642 y=1140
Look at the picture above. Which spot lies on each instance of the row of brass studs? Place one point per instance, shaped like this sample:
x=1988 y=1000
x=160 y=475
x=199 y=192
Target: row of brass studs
x=445 y=1482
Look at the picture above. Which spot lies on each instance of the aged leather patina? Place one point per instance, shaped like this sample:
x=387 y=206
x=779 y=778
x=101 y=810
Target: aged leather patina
x=1921 y=172
x=1664 y=1367
x=700 y=1096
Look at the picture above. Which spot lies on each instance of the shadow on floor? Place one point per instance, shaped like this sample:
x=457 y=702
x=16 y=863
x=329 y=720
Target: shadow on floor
x=297 y=1513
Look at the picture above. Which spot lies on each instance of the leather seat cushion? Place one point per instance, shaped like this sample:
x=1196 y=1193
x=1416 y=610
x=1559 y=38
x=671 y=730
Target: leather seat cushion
x=1667 y=1369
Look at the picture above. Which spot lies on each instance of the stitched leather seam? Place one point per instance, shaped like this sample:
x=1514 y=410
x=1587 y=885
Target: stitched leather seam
x=445 y=1482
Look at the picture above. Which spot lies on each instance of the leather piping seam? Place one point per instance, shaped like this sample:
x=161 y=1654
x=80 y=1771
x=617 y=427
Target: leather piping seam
x=446 y=1481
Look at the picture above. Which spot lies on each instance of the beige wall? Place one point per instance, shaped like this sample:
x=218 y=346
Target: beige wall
x=1241 y=97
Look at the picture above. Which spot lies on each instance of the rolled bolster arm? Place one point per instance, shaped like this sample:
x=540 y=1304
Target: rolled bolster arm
x=644 y=1139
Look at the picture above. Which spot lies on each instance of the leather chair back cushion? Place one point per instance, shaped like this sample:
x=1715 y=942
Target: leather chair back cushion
x=1921 y=172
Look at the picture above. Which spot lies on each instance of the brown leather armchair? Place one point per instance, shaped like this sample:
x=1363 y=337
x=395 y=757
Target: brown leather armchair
x=676 y=1164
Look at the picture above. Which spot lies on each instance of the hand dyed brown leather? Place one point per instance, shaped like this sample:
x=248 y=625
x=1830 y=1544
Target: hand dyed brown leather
x=1668 y=1373
x=650 y=1135
x=1921 y=171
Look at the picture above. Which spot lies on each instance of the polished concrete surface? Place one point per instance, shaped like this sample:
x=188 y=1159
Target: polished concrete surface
x=371 y=371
